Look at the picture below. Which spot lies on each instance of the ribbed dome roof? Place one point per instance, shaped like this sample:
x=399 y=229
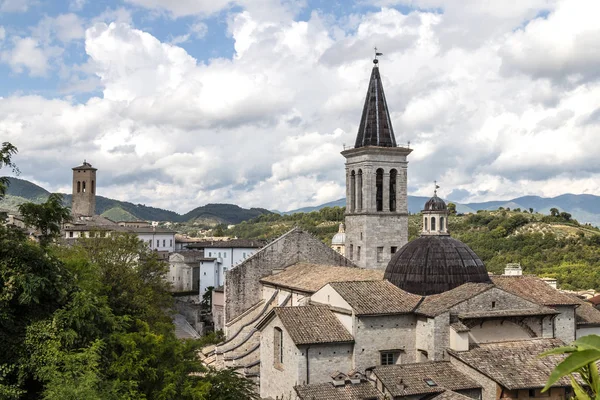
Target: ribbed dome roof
x=435 y=204
x=339 y=238
x=435 y=264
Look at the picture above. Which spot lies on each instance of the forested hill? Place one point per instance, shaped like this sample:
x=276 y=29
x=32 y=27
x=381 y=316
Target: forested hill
x=21 y=191
x=547 y=245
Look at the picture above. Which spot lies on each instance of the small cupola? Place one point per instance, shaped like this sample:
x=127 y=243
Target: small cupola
x=435 y=216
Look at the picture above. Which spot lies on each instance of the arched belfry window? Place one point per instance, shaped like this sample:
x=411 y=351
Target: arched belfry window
x=277 y=346
x=93 y=187
x=359 y=191
x=433 y=224
x=78 y=186
x=425 y=226
x=379 y=189
x=393 y=175
x=441 y=224
x=352 y=191
x=83 y=186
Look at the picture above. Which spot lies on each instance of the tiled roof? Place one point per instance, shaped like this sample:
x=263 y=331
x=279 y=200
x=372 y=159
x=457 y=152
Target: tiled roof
x=514 y=365
x=523 y=312
x=594 y=300
x=460 y=327
x=376 y=297
x=439 y=303
x=312 y=324
x=84 y=166
x=533 y=289
x=326 y=391
x=586 y=313
x=409 y=379
x=312 y=277
x=450 y=395
x=233 y=243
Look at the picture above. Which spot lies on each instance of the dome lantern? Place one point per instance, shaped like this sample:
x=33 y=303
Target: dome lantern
x=435 y=216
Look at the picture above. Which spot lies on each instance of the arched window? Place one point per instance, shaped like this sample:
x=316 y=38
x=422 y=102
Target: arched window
x=441 y=224
x=393 y=174
x=425 y=226
x=359 y=192
x=83 y=186
x=379 y=189
x=277 y=346
x=78 y=186
x=352 y=190
x=433 y=224
x=93 y=187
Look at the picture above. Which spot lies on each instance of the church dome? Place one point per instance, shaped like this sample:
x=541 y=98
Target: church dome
x=340 y=237
x=435 y=264
x=435 y=204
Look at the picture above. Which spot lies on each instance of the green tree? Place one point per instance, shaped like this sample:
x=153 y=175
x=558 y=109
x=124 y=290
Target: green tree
x=554 y=212
x=452 y=208
x=47 y=217
x=6 y=152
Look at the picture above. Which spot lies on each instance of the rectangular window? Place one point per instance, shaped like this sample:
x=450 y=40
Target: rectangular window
x=224 y=255
x=278 y=347
x=164 y=243
x=158 y=243
x=71 y=234
x=351 y=252
x=219 y=254
x=379 y=254
x=209 y=254
x=393 y=249
x=358 y=253
x=389 y=357
x=171 y=243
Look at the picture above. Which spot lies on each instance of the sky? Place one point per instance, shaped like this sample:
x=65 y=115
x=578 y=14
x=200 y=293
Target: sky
x=180 y=103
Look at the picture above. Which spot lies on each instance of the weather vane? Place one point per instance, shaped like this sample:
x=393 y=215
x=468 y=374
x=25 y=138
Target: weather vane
x=377 y=54
x=436 y=188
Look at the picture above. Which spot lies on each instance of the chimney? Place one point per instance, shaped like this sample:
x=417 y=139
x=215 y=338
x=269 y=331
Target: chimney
x=513 y=269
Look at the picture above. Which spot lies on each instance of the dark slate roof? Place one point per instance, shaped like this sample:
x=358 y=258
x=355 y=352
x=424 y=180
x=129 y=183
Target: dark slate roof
x=409 y=379
x=533 y=289
x=515 y=364
x=450 y=395
x=435 y=204
x=326 y=391
x=309 y=278
x=233 y=243
x=435 y=264
x=460 y=327
x=376 y=297
x=375 y=124
x=85 y=166
x=586 y=313
x=439 y=303
x=312 y=325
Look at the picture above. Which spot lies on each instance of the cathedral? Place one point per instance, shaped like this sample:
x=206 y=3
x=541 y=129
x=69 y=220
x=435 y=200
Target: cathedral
x=388 y=318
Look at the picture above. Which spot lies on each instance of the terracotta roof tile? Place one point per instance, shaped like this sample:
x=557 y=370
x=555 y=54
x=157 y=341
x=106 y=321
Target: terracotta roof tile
x=586 y=313
x=533 y=289
x=312 y=324
x=312 y=277
x=326 y=391
x=450 y=395
x=376 y=297
x=409 y=379
x=515 y=364
x=439 y=303
x=521 y=312
x=233 y=243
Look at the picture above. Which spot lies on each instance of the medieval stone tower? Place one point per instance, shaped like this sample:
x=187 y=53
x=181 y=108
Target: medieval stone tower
x=84 y=190
x=376 y=201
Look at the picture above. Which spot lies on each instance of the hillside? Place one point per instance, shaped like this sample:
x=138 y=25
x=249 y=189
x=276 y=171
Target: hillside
x=584 y=207
x=21 y=191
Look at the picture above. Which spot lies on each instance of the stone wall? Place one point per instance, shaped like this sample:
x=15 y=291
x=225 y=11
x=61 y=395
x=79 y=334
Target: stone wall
x=493 y=299
x=490 y=389
x=323 y=361
x=242 y=286
x=564 y=323
x=376 y=333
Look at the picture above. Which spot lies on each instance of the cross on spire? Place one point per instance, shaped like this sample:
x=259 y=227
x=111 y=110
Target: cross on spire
x=436 y=188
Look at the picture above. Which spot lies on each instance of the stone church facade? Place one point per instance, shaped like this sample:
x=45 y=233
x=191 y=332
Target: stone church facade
x=424 y=320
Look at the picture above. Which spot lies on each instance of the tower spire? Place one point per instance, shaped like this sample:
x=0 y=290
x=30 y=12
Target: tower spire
x=375 y=124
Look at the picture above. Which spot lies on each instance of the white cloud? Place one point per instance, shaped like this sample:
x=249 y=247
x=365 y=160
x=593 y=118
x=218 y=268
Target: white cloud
x=10 y=6
x=184 y=7
x=265 y=127
x=2 y=33
x=26 y=53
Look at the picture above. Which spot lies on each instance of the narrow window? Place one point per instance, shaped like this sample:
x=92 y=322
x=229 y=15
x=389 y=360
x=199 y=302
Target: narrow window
x=393 y=249
x=71 y=234
x=433 y=224
x=171 y=243
x=209 y=254
x=164 y=243
x=393 y=175
x=493 y=304
x=351 y=251
x=83 y=186
x=93 y=187
x=78 y=186
x=359 y=191
x=426 y=223
x=379 y=254
x=158 y=243
x=278 y=346
x=379 y=189
x=352 y=190
x=358 y=253
x=441 y=224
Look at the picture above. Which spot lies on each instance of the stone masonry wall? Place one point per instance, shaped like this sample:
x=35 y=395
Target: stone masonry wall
x=323 y=361
x=242 y=286
x=564 y=323
x=392 y=332
x=490 y=389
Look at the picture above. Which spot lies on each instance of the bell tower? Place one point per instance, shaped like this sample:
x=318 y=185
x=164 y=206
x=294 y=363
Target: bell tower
x=84 y=190
x=376 y=177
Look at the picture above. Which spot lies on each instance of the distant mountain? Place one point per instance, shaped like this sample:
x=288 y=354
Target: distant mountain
x=583 y=207
x=222 y=213
x=21 y=191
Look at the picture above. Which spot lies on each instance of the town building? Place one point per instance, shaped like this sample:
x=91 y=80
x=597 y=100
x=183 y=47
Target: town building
x=338 y=242
x=305 y=322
